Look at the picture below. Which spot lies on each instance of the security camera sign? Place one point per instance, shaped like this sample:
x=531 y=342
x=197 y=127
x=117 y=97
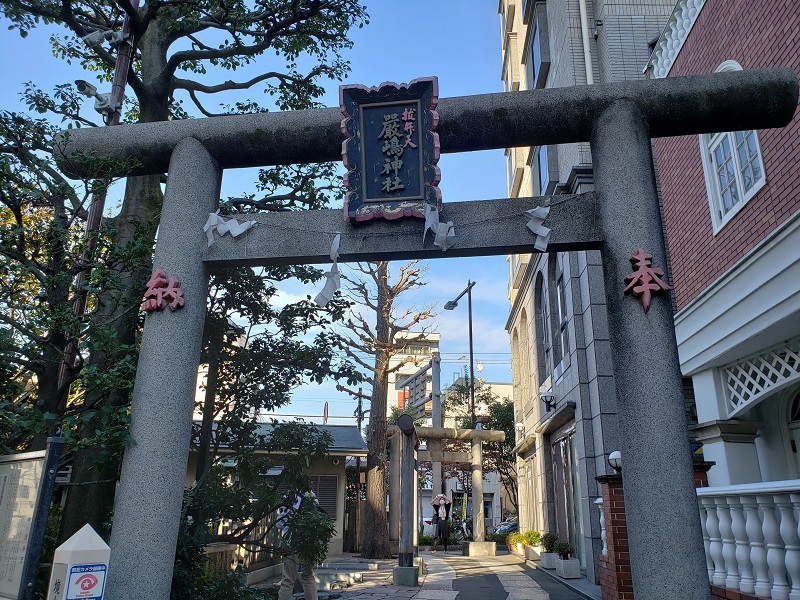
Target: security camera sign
x=86 y=582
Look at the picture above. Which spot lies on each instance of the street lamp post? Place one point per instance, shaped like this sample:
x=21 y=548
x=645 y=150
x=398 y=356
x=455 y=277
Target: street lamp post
x=450 y=306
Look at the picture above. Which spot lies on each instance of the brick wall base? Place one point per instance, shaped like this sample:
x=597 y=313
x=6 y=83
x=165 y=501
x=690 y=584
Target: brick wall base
x=615 y=582
x=615 y=567
x=721 y=593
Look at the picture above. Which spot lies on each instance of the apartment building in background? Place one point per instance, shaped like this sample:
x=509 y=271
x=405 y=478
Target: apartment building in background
x=564 y=394
x=417 y=356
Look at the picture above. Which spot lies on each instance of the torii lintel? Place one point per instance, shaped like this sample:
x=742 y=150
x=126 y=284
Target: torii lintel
x=753 y=99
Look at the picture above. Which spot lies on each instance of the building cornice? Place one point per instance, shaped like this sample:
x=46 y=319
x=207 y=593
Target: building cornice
x=671 y=41
x=758 y=292
x=731 y=430
x=525 y=445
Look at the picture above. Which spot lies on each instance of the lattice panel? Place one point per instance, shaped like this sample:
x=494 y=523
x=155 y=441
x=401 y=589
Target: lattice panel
x=749 y=380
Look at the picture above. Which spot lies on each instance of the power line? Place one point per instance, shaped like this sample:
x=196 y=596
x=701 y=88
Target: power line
x=307 y=416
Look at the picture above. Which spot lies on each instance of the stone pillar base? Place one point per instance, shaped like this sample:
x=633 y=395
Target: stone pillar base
x=479 y=548
x=406 y=576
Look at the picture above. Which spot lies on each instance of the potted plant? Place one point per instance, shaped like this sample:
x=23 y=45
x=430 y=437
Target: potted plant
x=547 y=558
x=514 y=542
x=532 y=540
x=566 y=567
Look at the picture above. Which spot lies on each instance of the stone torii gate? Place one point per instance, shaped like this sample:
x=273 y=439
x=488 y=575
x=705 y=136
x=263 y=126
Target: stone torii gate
x=405 y=435
x=621 y=215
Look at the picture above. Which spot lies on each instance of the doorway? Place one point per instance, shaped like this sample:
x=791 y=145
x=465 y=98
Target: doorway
x=567 y=491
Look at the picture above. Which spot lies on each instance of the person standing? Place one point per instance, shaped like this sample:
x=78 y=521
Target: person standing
x=305 y=532
x=441 y=506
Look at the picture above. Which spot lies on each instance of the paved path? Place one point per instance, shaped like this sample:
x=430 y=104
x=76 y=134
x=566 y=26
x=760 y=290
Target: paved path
x=452 y=576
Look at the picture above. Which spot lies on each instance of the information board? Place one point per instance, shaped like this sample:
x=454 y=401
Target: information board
x=20 y=479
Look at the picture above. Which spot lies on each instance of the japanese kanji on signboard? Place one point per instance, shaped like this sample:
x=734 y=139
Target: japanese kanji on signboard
x=391 y=149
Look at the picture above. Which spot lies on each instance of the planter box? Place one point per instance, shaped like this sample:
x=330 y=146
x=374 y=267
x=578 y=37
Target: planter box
x=532 y=552
x=568 y=569
x=519 y=549
x=547 y=560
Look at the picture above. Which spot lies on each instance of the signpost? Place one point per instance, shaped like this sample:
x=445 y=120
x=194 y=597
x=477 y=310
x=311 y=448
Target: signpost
x=80 y=566
x=26 y=490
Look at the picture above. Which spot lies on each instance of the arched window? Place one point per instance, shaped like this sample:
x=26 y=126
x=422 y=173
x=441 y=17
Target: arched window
x=733 y=167
x=544 y=343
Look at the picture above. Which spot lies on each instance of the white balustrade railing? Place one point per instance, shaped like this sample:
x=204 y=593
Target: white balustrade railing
x=751 y=534
x=599 y=503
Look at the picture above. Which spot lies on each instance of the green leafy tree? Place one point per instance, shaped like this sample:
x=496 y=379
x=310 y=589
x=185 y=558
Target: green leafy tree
x=238 y=492
x=42 y=250
x=180 y=46
x=310 y=532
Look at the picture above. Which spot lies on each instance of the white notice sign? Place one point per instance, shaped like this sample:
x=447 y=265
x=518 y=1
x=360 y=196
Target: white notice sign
x=86 y=582
x=20 y=479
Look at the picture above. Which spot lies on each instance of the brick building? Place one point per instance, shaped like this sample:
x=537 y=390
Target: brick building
x=731 y=207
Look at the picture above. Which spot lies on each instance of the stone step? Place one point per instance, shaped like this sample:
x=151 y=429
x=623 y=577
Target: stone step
x=350 y=565
x=328 y=579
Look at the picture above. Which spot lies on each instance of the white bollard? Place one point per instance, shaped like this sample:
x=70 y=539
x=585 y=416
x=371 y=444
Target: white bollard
x=80 y=566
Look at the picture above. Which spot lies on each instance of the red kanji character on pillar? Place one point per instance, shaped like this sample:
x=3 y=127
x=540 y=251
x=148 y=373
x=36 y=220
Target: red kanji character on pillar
x=645 y=278
x=174 y=292
x=161 y=293
x=153 y=296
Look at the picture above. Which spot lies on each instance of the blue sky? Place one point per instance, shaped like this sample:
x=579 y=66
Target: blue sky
x=458 y=41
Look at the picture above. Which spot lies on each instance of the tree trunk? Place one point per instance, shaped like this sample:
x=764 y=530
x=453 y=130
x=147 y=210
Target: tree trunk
x=375 y=527
x=94 y=471
x=215 y=332
x=91 y=500
x=47 y=377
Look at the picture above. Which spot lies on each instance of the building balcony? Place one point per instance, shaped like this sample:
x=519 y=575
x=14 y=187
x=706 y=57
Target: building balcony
x=751 y=537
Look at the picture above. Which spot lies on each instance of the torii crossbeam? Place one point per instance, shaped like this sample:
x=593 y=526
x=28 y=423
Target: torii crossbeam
x=666 y=545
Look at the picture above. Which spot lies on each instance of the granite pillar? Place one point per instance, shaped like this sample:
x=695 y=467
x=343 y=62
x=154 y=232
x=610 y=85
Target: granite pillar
x=478 y=520
x=148 y=508
x=407 y=500
x=666 y=543
x=394 y=485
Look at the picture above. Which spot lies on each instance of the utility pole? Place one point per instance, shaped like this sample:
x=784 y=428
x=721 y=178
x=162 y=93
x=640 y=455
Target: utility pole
x=97 y=206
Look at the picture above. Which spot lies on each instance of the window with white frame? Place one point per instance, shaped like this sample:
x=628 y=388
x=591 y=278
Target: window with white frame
x=734 y=170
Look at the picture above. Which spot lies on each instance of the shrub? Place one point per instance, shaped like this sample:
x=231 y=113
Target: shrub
x=548 y=541
x=531 y=538
x=310 y=532
x=426 y=540
x=563 y=549
x=499 y=538
x=514 y=539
